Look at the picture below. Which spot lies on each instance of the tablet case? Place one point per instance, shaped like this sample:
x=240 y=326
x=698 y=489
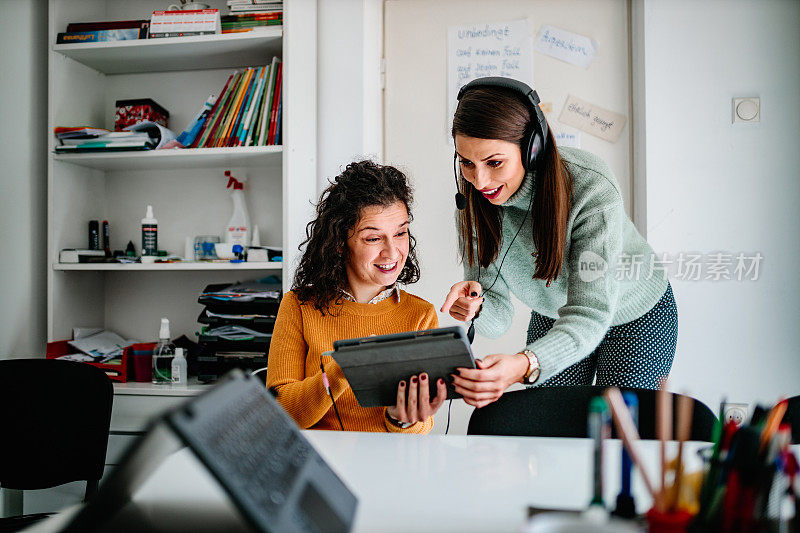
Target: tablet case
x=375 y=365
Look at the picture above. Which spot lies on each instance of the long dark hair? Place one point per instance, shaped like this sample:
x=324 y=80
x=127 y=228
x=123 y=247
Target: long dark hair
x=499 y=113
x=321 y=274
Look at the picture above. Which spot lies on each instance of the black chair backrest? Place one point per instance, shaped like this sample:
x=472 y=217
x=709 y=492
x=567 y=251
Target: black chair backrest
x=562 y=412
x=55 y=417
x=792 y=417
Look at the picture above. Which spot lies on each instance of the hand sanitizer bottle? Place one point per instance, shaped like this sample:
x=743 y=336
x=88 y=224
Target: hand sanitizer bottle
x=179 y=368
x=149 y=237
x=162 y=355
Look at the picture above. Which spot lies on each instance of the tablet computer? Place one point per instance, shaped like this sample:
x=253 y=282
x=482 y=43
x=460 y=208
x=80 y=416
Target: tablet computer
x=375 y=365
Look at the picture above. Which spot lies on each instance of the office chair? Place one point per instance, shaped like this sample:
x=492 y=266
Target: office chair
x=55 y=417
x=792 y=417
x=562 y=412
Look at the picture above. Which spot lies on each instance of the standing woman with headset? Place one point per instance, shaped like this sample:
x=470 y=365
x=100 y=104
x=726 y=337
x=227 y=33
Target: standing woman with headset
x=549 y=226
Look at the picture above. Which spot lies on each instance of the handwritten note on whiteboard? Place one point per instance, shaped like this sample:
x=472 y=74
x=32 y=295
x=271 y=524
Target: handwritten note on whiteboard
x=478 y=50
x=566 y=46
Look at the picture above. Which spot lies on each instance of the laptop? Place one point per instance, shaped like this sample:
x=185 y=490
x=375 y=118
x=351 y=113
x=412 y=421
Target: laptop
x=251 y=446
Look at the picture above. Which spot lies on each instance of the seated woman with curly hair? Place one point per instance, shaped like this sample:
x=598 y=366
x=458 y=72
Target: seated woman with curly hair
x=358 y=248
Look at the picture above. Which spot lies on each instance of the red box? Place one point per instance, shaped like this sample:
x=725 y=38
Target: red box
x=130 y=112
x=117 y=372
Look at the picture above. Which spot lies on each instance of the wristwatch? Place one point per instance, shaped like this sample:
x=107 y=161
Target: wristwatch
x=533 y=368
x=392 y=420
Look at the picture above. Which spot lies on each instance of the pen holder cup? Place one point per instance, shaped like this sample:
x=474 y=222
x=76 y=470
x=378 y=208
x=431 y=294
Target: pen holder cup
x=143 y=361
x=666 y=522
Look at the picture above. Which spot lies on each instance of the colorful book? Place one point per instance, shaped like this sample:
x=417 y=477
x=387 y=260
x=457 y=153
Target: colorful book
x=274 y=111
x=73 y=27
x=211 y=114
x=126 y=34
x=262 y=138
x=222 y=102
x=208 y=141
x=225 y=131
x=242 y=110
x=251 y=105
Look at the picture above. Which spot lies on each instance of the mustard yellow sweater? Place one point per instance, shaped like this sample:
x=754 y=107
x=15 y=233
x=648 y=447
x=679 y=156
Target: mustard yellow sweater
x=302 y=334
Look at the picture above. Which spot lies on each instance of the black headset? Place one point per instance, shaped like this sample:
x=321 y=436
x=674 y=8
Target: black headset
x=533 y=142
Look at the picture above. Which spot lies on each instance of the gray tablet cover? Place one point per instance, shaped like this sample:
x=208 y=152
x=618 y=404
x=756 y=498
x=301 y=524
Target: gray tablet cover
x=375 y=365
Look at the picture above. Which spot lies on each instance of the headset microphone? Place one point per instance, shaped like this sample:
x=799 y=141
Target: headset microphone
x=461 y=200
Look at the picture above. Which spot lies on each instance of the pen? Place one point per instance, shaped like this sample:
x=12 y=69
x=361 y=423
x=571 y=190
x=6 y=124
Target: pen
x=664 y=433
x=628 y=432
x=599 y=430
x=626 y=505
x=684 y=428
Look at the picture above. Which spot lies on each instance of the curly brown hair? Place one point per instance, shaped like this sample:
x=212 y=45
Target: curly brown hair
x=321 y=275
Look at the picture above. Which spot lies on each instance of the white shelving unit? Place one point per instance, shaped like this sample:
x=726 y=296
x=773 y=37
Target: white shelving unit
x=166 y=267
x=185 y=187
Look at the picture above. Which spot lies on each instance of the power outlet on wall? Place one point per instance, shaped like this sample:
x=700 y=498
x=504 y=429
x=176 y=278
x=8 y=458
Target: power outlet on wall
x=735 y=412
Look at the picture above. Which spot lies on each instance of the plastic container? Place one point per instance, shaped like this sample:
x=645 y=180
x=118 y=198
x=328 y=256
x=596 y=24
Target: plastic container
x=163 y=354
x=674 y=522
x=149 y=237
x=179 y=374
x=142 y=353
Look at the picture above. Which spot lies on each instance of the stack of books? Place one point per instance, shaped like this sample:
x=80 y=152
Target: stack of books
x=91 y=32
x=83 y=139
x=247 y=112
x=249 y=15
x=142 y=136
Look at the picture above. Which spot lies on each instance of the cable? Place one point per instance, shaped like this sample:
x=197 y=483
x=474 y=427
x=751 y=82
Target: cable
x=327 y=385
x=471 y=330
x=449 y=405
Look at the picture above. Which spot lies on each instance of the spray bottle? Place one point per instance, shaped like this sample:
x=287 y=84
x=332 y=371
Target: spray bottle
x=238 y=229
x=149 y=237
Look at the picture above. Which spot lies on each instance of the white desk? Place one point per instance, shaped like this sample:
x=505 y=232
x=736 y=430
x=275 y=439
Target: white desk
x=416 y=483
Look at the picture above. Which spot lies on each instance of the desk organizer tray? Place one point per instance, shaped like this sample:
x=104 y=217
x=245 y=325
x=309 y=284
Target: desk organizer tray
x=242 y=298
x=212 y=344
x=212 y=367
x=117 y=369
x=261 y=324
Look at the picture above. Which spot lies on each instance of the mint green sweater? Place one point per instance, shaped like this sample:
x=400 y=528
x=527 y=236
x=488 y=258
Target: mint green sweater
x=583 y=302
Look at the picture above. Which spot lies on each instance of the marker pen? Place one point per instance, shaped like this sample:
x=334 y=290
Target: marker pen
x=599 y=430
x=626 y=506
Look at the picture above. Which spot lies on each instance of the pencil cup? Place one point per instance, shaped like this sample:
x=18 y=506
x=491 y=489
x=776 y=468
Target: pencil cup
x=674 y=522
x=143 y=361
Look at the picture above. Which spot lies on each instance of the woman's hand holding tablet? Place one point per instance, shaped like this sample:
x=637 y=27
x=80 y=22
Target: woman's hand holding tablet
x=495 y=373
x=417 y=405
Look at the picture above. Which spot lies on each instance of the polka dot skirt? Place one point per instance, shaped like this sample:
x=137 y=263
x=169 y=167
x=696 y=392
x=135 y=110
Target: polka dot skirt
x=636 y=354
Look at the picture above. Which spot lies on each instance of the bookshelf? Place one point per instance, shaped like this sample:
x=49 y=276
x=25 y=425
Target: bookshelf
x=176 y=53
x=185 y=187
x=166 y=267
x=242 y=156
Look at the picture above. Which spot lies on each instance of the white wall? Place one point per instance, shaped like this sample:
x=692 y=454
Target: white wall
x=23 y=176
x=349 y=101
x=717 y=186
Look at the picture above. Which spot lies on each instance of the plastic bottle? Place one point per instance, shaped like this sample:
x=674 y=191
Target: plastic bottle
x=163 y=355
x=238 y=229
x=179 y=376
x=149 y=237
